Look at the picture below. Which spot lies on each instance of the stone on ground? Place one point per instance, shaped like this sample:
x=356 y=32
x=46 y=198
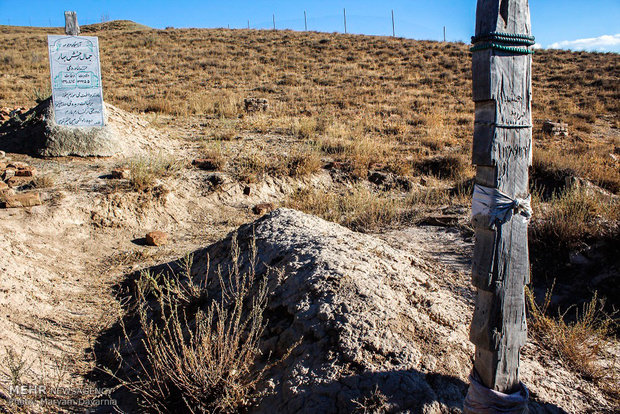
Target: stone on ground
x=20 y=200
x=156 y=238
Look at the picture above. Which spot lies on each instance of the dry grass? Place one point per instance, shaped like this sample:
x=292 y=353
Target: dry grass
x=359 y=209
x=44 y=181
x=146 y=170
x=580 y=344
x=573 y=216
x=363 y=209
x=295 y=161
x=366 y=99
x=198 y=353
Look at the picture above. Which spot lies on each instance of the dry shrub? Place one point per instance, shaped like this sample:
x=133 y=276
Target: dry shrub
x=146 y=170
x=251 y=167
x=198 y=353
x=44 y=181
x=376 y=402
x=589 y=160
x=358 y=154
x=428 y=197
x=358 y=209
x=216 y=153
x=580 y=344
x=444 y=167
x=572 y=216
x=302 y=162
x=437 y=132
x=303 y=127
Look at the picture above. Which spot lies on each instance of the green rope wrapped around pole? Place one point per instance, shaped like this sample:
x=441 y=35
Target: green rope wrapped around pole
x=504 y=48
x=513 y=38
x=506 y=42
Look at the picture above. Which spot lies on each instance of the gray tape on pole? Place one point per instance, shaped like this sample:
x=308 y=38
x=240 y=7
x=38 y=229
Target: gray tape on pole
x=482 y=400
x=498 y=206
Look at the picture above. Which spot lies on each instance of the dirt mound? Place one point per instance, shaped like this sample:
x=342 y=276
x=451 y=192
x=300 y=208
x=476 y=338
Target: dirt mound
x=36 y=133
x=365 y=313
x=378 y=328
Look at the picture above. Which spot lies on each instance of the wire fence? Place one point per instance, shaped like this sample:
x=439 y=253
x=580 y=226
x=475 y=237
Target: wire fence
x=388 y=24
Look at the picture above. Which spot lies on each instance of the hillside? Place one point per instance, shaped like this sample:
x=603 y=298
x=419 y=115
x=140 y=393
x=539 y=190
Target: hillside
x=372 y=133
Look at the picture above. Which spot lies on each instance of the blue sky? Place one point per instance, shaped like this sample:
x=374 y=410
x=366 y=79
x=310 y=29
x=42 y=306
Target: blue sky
x=593 y=24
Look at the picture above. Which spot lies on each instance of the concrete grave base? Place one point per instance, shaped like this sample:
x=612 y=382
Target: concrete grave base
x=36 y=133
x=62 y=141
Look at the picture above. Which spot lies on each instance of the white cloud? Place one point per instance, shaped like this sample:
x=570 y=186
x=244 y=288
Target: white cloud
x=605 y=43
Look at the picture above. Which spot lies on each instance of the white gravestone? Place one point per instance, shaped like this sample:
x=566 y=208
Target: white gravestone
x=76 y=80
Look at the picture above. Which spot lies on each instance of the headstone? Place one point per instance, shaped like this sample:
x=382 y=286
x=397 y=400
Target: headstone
x=76 y=78
x=502 y=153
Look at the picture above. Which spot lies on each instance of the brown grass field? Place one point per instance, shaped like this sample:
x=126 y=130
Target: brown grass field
x=395 y=101
x=359 y=104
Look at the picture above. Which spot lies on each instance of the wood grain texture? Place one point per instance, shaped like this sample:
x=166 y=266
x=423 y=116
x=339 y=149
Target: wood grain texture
x=502 y=152
x=506 y=16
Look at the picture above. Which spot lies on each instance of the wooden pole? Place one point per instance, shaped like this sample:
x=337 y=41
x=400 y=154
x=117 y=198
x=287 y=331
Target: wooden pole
x=72 y=28
x=393 y=26
x=345 y=20
x=274 y=21
x=444 y=33
x=305 y=21
x=502 y=153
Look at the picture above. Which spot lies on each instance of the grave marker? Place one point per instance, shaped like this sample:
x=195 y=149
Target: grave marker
x=72 y=27
x=502 y=153
x=76 y=77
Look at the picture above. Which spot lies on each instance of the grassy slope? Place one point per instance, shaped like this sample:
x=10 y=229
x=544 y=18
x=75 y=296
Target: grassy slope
x=410 y=98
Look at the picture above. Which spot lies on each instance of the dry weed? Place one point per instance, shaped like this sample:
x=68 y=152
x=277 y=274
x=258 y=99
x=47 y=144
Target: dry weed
x=359 y=209
x=199 y=352
x=146 y=170
x=580 y=344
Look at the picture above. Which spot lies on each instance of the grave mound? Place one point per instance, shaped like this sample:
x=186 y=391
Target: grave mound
x=36 y=132
x=367 y=324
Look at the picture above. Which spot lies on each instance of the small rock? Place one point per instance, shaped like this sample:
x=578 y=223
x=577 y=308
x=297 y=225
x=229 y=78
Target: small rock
x=555 y=128
x=156 y=238
x=378 y=177
x=2 y=154
x=5 y=190
x=121 y=173
x=577 y=258
x=441 y=220
x=7 y=174
x=27 y=171
x=17 y=165
x=262 y=208
x=247 y=190
x=17 y=181
x=21 y=200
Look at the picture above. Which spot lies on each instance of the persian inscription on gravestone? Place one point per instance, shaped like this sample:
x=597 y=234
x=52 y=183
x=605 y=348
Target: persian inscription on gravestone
x=76 y=80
